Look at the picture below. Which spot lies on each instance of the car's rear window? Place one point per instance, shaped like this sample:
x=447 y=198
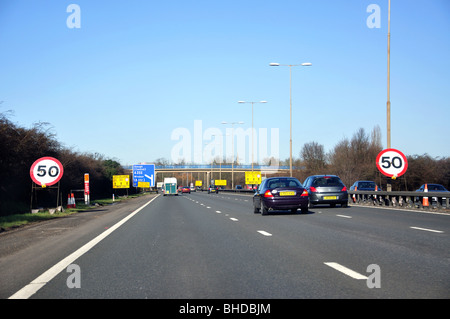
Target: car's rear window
x=283 y=182
x=327 y=181
x=367 y=185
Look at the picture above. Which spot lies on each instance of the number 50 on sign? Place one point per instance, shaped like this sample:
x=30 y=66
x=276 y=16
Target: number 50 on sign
x=46 y=171
x=392 y=163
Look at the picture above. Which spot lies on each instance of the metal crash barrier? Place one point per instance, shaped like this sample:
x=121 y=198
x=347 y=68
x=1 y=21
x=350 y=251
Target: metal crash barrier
x=410 y=200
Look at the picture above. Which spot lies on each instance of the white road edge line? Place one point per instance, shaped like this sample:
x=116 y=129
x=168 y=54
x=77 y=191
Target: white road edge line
x=346 y=270
x=427 y=229
x=30 y=289
x=262 y=232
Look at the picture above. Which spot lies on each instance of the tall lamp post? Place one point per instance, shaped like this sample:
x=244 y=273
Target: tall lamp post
x=290 y=116
x=388 y=103
x=252 y=103
x=232 y=147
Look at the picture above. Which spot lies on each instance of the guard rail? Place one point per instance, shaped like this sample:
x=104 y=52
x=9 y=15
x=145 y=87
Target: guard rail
x=401 y=199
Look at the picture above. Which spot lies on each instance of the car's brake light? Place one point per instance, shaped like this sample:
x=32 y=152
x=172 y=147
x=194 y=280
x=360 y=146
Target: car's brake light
x=344 y=189
x=268 y=194
x=313 y=189
x=305 y=193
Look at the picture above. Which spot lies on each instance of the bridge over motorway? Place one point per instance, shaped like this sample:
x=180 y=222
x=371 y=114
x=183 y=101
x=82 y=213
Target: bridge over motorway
x=206 y=173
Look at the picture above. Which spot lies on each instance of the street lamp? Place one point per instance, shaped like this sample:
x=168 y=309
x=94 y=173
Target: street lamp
x=252 y=122
x=290 y=116
x=232 y=146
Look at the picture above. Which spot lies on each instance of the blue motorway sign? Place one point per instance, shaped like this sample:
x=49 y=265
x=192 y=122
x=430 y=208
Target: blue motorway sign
x=144 y=173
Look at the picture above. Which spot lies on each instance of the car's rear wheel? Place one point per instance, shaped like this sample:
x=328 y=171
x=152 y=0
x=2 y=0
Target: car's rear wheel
x=264 y=210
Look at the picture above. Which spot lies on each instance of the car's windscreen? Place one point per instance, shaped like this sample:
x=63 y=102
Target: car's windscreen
x=283 y=182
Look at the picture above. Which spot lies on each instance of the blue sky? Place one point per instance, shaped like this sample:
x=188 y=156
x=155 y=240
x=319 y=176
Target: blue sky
x=137 y=70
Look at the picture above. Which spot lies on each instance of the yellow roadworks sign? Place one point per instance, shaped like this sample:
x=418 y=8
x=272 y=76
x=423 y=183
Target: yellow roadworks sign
x=121 y=181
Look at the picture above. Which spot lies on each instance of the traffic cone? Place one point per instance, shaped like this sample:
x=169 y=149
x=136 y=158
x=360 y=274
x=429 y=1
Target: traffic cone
x=69 y=204
x=425 y=199
x=74 y=205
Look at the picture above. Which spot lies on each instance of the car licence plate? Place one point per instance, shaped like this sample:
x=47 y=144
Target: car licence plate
x=287 y=193
x=329 y=197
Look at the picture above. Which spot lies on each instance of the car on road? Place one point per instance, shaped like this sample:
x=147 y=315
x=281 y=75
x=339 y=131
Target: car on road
x=213 y=189
x=326 y=189
x=280 y=193
x=185 y=189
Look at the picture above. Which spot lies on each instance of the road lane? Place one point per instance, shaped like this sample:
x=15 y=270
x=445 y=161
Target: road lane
x=213 y=246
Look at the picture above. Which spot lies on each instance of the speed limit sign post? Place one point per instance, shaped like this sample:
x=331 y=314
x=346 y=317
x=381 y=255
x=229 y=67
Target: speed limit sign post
x=45 y=172
x=392 y=163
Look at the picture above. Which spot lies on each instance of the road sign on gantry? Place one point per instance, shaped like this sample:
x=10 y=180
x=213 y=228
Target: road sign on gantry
x=252 y=178
x=144 y=173
x=392 y=163
x=46 y=171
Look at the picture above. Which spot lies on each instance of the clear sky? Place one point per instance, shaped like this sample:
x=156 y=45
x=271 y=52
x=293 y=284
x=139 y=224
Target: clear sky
x=136 y=72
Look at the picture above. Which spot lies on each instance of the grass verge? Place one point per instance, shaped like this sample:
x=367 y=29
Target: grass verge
x=18 y=220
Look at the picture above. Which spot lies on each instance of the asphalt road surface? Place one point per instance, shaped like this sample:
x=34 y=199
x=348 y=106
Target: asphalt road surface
x=212 y=246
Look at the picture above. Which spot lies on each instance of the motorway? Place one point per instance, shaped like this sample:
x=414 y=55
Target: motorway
x=212 y=246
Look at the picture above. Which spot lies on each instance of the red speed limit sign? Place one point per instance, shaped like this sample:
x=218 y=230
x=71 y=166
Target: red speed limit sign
x=46 y=171
x=392 y=163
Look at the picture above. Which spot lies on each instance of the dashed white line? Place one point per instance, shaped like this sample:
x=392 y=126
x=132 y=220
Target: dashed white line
x=234 y=219
x=344 y=216
x=218 y=212
x=427 y=229
x=346 y=270
x=262 y=232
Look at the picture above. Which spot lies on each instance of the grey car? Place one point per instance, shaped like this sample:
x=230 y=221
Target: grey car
x=326 y=189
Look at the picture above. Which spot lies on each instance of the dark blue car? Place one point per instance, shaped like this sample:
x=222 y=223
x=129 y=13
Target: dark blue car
x=280 y=193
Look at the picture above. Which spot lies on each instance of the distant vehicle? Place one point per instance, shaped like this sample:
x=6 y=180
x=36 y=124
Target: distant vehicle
x=185 y=189
x=193 y=189
x=213 y=189
x=433 y=188
x=280 y=193
x=238 y=186
x=364 y=186
x=326 y=189
x=170 y=186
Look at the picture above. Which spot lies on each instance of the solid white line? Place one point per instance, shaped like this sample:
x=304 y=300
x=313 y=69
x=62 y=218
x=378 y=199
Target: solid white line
x=346 y=270
x=345 y=216
x=30 y=289
x=234 y=219
x=262 y=232
x=426 y=229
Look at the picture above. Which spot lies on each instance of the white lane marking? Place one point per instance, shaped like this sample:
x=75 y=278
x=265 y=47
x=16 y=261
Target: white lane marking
x=208 y=207
x=344 y=216
x=345 y=270
x=234 y=219
x=218 y=212
x=262 y=232
x=427 y=229
x=30 y=289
